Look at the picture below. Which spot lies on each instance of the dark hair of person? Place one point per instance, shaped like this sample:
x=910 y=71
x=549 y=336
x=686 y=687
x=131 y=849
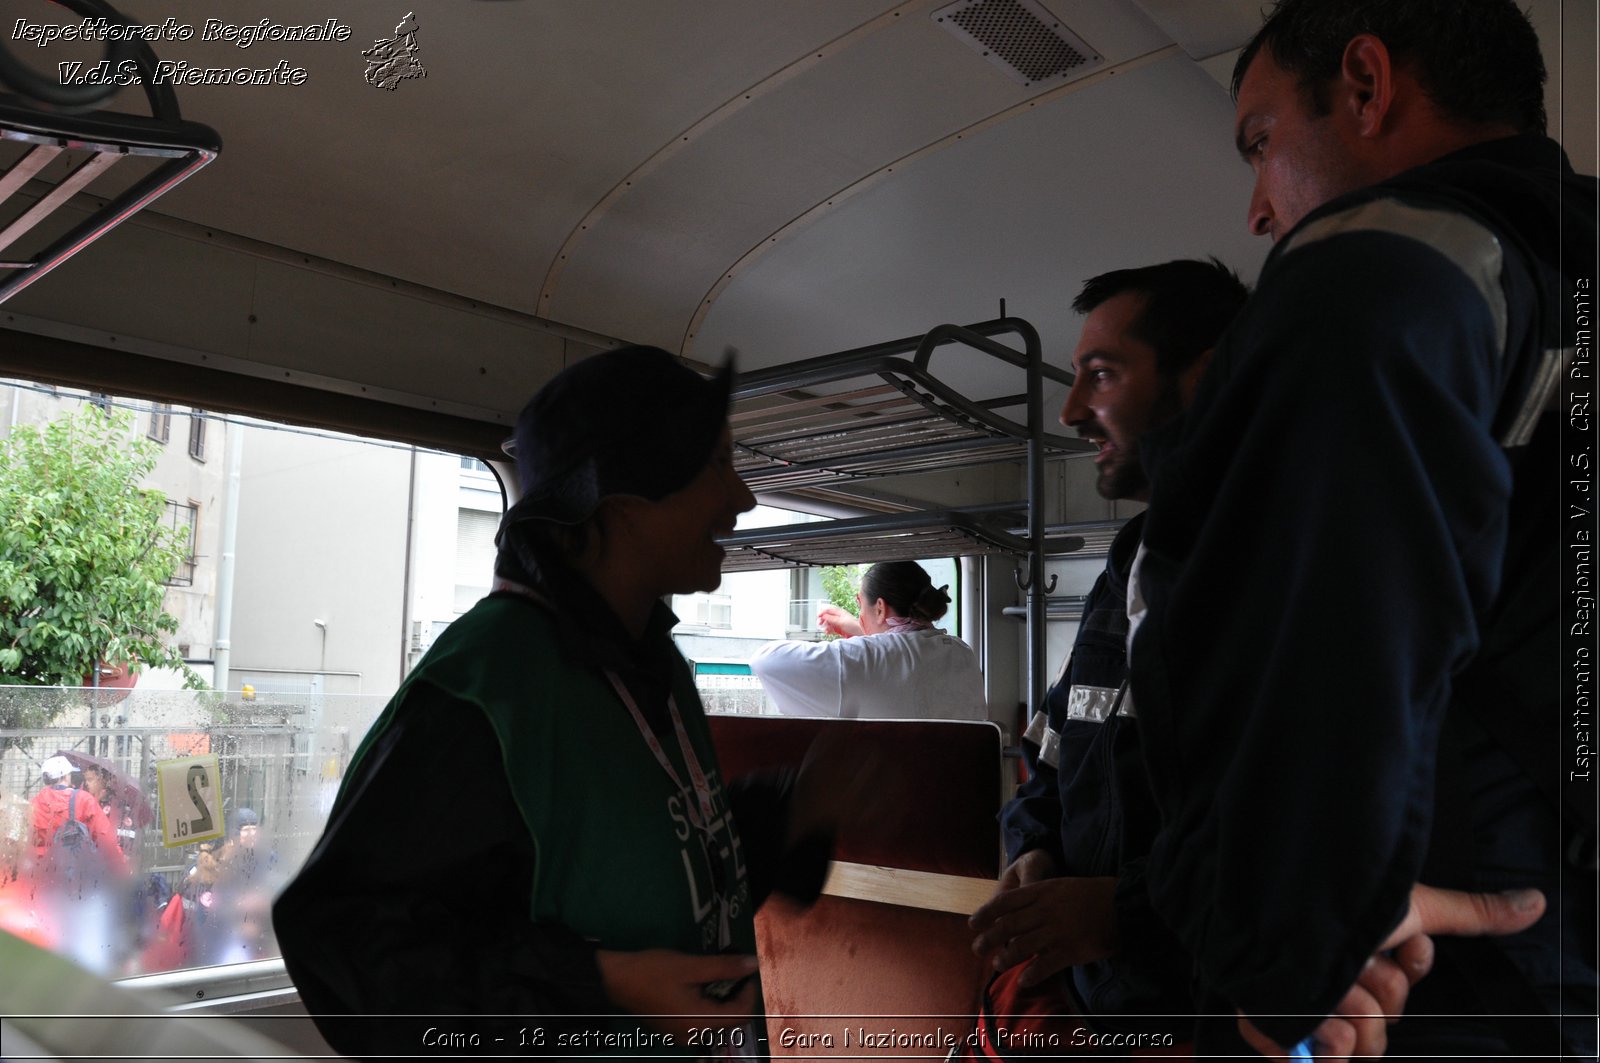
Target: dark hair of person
x=1188 y=303
x=905 y=587
x=1477 y=60
x=533 y=551
x=566 y=542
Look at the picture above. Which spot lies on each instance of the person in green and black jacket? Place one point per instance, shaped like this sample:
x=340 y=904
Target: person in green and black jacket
x=536 y=825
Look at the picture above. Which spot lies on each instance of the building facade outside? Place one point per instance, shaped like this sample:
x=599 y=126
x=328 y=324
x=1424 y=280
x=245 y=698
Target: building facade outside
x=350 y=556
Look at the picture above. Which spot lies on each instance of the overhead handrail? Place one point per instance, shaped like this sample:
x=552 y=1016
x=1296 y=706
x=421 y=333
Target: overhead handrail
x=20 y=78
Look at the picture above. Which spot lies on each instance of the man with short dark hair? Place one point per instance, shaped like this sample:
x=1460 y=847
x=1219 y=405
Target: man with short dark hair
x=1347 y=678
x=1072 y=895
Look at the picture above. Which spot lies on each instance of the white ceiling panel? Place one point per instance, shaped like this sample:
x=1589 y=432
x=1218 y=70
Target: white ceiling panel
x=1204 y=28
x=469 y=179
x=654 y=254
x=1119 y=174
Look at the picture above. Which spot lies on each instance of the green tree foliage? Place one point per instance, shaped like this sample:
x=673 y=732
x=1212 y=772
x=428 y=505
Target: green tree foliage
x=840 y=583
x=85 y=553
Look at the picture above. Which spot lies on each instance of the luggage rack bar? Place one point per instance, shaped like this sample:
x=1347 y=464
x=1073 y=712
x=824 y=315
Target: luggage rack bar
x=893 y=537
x=1096 y=535
x=106 y=141
x=94 y=144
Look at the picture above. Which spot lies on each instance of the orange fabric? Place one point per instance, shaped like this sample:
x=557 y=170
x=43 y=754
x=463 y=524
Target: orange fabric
x=189 y=745
x=19 y=916
x=169 y=948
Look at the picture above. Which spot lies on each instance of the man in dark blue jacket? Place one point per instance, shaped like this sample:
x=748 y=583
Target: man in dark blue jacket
x=1350 y=676
x=1077 y=832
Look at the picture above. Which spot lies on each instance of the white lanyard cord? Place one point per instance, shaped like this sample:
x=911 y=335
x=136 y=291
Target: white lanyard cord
x=702 y=788
x=702 y=793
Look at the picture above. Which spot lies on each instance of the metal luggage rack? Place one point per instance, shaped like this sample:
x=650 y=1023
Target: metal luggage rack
x=880 y=411
x=48 y=157
x=1095 y=536
x=893 y=537
x=794 y=427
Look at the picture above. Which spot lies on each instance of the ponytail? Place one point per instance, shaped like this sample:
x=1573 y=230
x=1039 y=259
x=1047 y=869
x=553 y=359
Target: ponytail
x=907 y=589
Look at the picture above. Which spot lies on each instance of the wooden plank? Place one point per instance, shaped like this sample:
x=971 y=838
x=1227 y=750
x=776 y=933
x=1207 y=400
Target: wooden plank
x=909 y=889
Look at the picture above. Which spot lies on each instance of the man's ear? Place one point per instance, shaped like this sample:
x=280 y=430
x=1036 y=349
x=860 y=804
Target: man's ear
x=1189 y=379
x=1366 y=81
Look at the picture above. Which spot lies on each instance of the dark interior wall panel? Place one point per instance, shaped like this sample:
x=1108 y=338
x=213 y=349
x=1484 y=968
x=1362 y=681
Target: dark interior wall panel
x=72 y=364
x=384 y=337
x=138 y=282
x=174 y=301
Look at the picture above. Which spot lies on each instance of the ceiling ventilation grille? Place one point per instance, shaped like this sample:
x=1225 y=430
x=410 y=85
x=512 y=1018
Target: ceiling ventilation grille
x=1019 y=36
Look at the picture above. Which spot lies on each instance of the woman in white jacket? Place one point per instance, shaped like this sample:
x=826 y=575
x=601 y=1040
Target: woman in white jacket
x=888 y=663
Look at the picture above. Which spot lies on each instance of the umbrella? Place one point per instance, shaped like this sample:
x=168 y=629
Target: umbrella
x=120 y=789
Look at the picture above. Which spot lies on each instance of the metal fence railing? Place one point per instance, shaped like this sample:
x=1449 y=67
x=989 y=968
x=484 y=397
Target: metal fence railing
x=279 y=756
x=733 y=695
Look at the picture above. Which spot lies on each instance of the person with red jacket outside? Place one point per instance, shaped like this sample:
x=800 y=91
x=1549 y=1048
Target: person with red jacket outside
x=74 y=888
x=50 y=815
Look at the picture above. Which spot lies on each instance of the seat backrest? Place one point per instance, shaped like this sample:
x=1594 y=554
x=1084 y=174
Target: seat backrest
x=940 y=785
x=886 y=949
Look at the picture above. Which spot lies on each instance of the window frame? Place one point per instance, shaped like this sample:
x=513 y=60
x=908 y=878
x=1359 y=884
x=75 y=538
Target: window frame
x=175 y=511
x=197 y=435
x=160 y=427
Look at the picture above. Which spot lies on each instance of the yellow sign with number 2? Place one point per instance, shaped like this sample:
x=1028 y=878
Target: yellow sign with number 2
x=191 y=807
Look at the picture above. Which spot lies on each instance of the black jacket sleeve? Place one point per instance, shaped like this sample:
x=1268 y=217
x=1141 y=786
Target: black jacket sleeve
x=1318 y=549
x=760 y=804
x=1036 y=818
x=416 y=900
x=1032 y=819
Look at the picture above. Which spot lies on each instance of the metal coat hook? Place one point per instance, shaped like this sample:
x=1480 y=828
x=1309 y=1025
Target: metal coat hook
x=1025 y=583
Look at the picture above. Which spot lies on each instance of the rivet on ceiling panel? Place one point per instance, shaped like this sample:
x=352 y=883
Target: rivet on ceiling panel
x=1019 y=36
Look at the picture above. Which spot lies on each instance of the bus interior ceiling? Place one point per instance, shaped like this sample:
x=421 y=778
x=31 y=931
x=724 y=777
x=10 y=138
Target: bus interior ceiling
x=784 y=179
